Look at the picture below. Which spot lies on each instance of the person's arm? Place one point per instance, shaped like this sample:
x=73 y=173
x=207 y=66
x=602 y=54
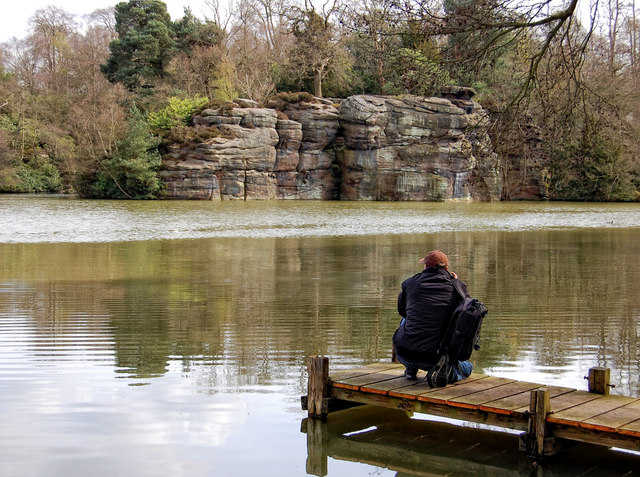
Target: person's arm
x=402 y=303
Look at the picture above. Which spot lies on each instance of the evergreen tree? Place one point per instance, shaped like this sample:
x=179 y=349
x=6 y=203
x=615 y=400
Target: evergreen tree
x=192 y=32
x=131 y=172
x=144 y=45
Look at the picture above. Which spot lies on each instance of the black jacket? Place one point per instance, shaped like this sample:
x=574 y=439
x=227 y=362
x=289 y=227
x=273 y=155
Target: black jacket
x=427 y=301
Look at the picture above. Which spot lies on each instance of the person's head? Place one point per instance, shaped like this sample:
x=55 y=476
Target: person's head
x=435 y=258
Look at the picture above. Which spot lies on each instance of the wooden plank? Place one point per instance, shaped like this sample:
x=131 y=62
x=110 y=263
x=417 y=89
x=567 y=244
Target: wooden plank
x=631 y=429
x=452 y=394
x=370 y=379
x=420 y=387
x=402 y=387
x=371 y=368
x=576 y=414
x=384 y=387
x=611 y=420
x=571 y=399
x=519 y=403
x=499 y=392
x=607 y=439
x=473 y=377
x=412 y=391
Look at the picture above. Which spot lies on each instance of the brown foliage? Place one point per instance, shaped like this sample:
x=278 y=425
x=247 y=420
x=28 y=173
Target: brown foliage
x=187 y=136
x=280 y=101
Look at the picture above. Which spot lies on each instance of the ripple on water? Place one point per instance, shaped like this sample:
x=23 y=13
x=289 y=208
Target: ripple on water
x=61 y=219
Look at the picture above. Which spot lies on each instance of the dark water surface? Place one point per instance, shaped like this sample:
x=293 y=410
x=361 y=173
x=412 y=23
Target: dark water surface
x=170 y=338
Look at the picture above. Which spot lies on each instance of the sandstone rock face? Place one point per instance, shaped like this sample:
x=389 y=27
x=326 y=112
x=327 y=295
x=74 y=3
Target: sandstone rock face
x=287 y=158
x=237 y=165
x=320 y=124
x=412 y=148
x=368 y=148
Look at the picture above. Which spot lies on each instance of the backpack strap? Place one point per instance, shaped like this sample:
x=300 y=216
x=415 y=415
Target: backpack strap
x=457 y=284
x=458 y=287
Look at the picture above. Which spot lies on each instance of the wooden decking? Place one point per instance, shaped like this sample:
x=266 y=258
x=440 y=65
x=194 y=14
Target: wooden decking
x=546 y=414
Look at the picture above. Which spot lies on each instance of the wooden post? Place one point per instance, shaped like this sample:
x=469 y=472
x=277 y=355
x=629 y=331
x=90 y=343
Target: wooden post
x=542 y=409
x=535 y=441
x=599 y=380
x=317 y=455
x=318 y=386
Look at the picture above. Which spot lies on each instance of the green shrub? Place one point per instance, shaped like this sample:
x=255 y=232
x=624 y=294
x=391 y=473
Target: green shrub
x=34 y=172
x=40 y=176
x=177 y=113
x=131 y=172
x=591 y=169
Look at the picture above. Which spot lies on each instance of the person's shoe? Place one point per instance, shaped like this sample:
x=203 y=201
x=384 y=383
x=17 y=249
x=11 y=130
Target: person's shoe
x=441 y=374
x=410 y=376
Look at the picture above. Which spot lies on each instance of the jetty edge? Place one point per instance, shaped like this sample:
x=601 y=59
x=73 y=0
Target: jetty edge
x=548 y=416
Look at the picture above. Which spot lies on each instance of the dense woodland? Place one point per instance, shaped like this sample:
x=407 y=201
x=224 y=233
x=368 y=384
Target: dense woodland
x=87 y=104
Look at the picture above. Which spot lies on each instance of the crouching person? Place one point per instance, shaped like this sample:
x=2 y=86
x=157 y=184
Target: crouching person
x=426 y=303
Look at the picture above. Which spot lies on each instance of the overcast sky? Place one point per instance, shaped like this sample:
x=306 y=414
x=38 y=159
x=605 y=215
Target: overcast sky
x=15 y=14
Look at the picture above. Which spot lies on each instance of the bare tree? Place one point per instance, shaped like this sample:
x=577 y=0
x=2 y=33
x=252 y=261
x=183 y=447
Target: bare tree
x=318 y=40
x=258 y=39
x=104 y=17
x=52 y=33
x=222 y=16
x=375 y=37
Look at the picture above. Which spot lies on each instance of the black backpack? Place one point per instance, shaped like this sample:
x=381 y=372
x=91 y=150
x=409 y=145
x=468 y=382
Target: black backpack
x=463 y=333
x=460 y=340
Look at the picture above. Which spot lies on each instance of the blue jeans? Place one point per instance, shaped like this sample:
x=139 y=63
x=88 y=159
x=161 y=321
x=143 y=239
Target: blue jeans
x=460 y=371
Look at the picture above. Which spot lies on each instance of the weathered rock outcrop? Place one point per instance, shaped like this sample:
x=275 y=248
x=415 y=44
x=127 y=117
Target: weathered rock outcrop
x=237 y=165
x=368 y=148
x=287 y=158
x=320 y=124
x=414 y=148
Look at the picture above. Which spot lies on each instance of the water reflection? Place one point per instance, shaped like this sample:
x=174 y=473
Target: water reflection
x=390 y=439
x=117 y=345
x=559 y=302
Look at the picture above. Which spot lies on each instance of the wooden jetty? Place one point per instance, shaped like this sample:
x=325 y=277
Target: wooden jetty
x=390 y=439
x=547 y=416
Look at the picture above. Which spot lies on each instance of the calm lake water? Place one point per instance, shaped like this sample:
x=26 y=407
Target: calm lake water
x=170 y=338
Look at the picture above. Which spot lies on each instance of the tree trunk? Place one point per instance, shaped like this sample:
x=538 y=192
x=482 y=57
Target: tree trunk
x=317 y=81
x=613 y=14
